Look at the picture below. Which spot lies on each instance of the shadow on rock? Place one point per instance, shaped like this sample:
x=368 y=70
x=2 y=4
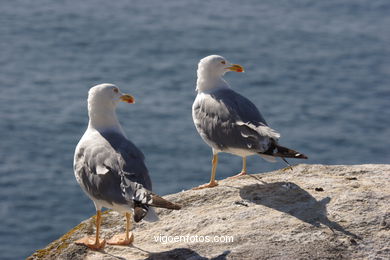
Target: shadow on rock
x=183 y=254
x=292 y=199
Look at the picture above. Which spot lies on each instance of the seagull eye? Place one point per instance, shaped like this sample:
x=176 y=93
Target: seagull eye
x=223 y=62
x=116 y=90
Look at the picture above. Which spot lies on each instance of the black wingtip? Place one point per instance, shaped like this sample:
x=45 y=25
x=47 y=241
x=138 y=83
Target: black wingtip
x=139 y=214
x=300 y=156
x=288 y=153
x=159 y=202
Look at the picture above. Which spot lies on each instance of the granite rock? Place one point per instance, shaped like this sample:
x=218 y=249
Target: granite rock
x=309 y=212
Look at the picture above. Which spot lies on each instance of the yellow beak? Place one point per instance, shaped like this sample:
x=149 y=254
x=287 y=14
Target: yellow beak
x=236 y=68
x=127 y=98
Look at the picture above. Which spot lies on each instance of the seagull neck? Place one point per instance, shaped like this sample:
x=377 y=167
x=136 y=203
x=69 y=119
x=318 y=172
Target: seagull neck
x=208 y=82
x=102 y=119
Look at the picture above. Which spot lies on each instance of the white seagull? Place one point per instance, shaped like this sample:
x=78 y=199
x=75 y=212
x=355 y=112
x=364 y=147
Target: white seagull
x=228 y=122
x=110 y=168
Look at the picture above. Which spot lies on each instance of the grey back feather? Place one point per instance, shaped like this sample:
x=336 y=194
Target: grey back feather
x=111 y=168
x=239 y=107
x=226 y=119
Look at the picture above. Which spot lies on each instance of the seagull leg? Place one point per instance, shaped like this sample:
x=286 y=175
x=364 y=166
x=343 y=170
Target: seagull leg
x=126 y=238
x=289 y=167
x=243 y=171
x=94 y=243
x=212 y=182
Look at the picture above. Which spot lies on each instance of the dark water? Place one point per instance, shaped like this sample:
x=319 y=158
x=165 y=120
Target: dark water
x=318 y=70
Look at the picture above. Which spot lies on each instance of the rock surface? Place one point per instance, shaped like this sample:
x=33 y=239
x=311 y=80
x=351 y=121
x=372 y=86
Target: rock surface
x=310 y=212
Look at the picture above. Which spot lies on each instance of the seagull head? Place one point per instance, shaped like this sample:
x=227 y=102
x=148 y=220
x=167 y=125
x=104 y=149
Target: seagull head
x=107 y=96
x=210 y=72
x=217 y=65
x=102 y=101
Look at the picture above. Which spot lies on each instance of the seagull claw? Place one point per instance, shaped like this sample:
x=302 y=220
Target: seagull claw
x=208 y=185
x=91 y=243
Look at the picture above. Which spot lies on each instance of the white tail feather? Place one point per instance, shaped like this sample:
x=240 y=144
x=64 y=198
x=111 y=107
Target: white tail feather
x=263 y=130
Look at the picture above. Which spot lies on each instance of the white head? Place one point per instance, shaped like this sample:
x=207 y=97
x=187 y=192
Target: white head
x=102 y=101
x=106 y=95
x=211 y=69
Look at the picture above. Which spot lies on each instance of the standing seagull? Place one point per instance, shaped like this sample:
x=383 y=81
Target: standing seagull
x=229 y=122
x=111 y=170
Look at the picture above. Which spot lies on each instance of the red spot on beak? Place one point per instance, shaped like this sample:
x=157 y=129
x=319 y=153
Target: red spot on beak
x=128 y=99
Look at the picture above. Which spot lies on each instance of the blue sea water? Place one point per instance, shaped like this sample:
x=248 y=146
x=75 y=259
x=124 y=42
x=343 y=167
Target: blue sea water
x=318 y=70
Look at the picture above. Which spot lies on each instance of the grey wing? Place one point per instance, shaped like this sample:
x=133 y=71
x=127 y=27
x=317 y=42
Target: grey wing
x=131 y=159
x=239 y=107
x=226 y=119
x=106 y=166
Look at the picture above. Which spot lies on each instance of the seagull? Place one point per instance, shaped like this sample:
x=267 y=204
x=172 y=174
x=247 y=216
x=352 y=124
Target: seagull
x=229 y=122
x=110 y=169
